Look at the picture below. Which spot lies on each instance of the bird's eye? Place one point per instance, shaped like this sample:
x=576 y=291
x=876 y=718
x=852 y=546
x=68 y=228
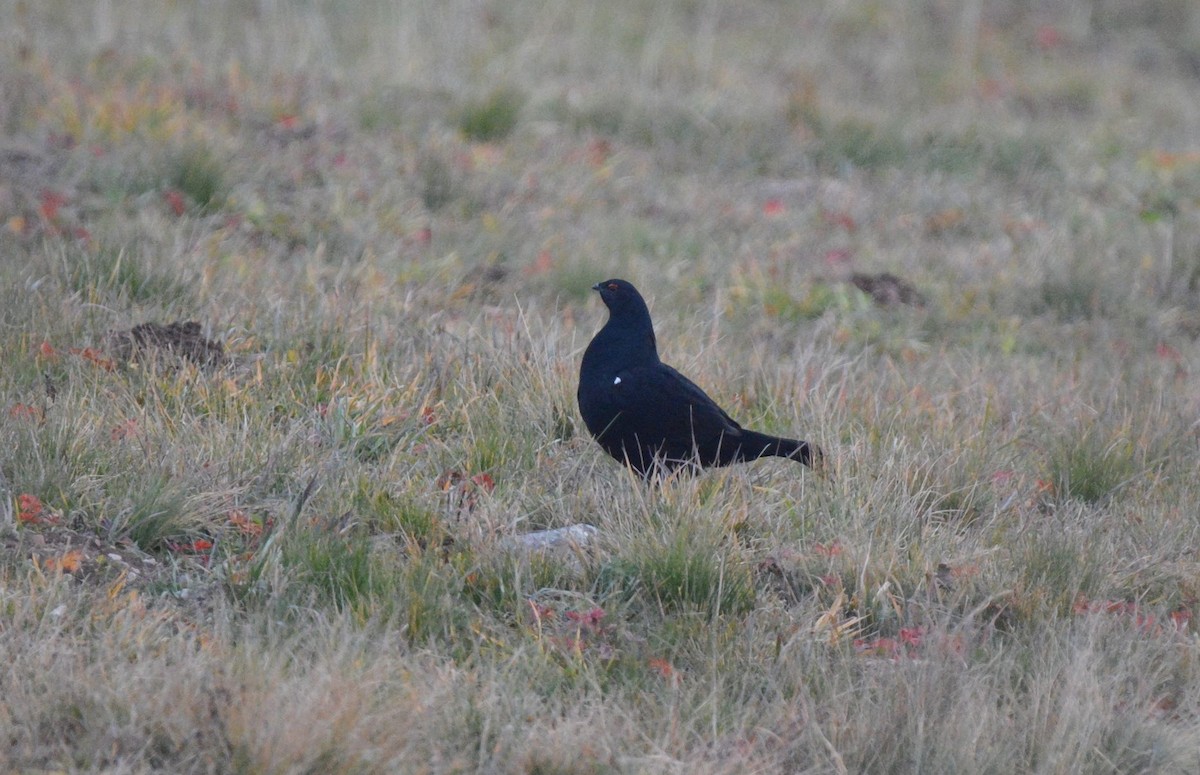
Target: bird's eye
x=612 y=286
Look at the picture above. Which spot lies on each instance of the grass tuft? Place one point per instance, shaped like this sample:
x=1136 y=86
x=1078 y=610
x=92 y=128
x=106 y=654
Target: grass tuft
x=339 y=569
x=494 y=116
x=437 y=182
x=200 y=175
x=1092 y=467
x=683 y=572
x=860 y=144
x=153 y=514
x=119 y=275
x=1078 y=296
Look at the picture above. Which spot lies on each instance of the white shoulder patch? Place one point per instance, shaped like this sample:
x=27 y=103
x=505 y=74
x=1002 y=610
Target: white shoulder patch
x=617 y=381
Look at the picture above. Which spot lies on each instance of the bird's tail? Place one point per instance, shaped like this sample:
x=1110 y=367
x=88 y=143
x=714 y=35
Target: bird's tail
x=756 y=445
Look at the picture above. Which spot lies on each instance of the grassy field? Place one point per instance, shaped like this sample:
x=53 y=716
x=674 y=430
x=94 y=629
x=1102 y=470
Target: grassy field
x=299 y=553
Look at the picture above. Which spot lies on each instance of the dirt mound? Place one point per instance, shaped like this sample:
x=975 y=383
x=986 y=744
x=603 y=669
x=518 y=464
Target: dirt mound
x=182 y=339
x=887 y=289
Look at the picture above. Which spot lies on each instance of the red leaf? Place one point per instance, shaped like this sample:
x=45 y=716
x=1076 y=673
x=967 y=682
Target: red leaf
x=664 y=668
x=541 y=613
x=1048 y=36
x=944 y=220
x=903 y=646
x=95 y=357
x=484 y=481
x=598 y=152
x=965 y=571
x=574 y=645
x=67 y=562
x=125 y=430
x=541 y=265
x=1167 y=352
x=587 y=619
x=832 y=550
x=835 y=258
x=24 y=412
x=29 y=508
x=191 y=547
x=840 y=218
x=911 y=636
x=991 y=88
x=1145 y=622
x=174 y=199
x=51 y=201
x=240 y=520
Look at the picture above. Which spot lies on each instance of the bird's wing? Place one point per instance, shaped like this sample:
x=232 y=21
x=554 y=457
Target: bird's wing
x=694 y=395
x=660 y=403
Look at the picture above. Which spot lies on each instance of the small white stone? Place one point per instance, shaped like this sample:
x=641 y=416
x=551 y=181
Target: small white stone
x=59 y=611
x=617 y=381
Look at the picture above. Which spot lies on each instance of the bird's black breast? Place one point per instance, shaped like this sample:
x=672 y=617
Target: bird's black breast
x=616 y=350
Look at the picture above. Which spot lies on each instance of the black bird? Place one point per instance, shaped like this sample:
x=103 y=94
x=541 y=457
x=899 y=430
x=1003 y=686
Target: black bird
x=648 y=415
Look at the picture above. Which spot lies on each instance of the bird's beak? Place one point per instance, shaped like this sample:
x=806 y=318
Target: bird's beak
x=597 y=287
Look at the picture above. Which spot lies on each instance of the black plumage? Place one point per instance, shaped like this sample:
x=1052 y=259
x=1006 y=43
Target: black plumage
x=645 y=413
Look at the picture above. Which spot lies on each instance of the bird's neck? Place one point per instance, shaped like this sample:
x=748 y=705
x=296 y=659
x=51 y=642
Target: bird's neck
x=622 y=344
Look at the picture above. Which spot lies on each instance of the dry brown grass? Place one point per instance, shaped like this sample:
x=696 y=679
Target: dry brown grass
x=300 y=560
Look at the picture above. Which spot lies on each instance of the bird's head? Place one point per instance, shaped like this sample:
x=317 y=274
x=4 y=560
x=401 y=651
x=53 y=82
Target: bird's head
x=629 y=333
x=620 y=297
